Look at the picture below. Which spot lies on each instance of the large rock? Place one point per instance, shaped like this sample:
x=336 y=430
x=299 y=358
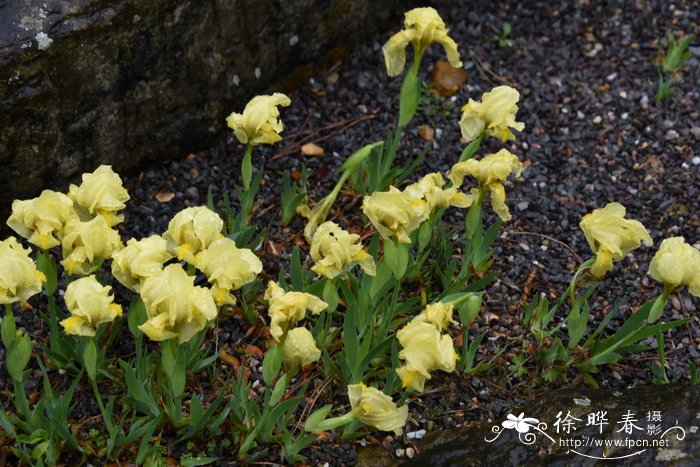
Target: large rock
x=123 y=82
x=662 y=429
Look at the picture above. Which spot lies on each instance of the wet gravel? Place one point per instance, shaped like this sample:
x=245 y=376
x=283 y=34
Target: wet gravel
x=593 y=135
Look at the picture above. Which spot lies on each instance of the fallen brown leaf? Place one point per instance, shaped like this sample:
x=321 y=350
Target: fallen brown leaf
x=165 y=196
x=311 y=149
x=426 y=132
x=447 y=79
x=229 y=359
x=254 y=350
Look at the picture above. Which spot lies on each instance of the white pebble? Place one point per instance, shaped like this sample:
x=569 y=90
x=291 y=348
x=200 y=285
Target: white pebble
x=258 y=73
x=696 y=160
x=411 y=435
x=410 y=452
x=597 y=119
x=400 y=452
x=294 y=40
x=43 y=41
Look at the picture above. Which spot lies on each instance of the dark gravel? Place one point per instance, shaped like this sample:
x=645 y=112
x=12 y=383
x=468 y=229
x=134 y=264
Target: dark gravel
x=593 y=135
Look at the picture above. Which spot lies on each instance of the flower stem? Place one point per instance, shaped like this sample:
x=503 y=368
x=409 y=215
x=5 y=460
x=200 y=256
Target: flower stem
x=247 y=167
x=21 y=399
x=106 y=419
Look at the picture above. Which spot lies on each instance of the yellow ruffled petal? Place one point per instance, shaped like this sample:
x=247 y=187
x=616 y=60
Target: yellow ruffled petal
x=41 y=220
x=334 y=250
x=77 y=326
x=611 y=236
x=676 y=264
x=287 y=308
x=498 y=201
x=375 y=408
x=192 y=230
x=411 y=378
x=19 y=277
x=494 y=115
x=300 y=348
x=259 y=123
x=394 y=213
x=175 y=306
x=100 y=194
x=395 y=52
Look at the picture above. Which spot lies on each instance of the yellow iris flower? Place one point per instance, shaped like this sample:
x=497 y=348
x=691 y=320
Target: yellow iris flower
x=372 y=407
x=228 y=268
x=287 y=308
x=424 y=350
x=490 y=172
x=677 y=264
x=100 y=194
x=191 y=231
x=438 y=314
x=394 y=213
x=429 y=188
x=423 y=26
x=138 y=260
x=259 y=123
x=41 y=220
x=611 y=236
x=300 y=348
x=175 y=306
x=85 y=243
x=90 y=305
x=495 y=115
x=19 y=278
x=334 y=250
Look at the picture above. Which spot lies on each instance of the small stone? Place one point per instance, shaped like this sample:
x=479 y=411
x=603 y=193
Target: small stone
x=523 y=205
x=332 y=78
x=668 y=124
x=400 y=452
x=43 y=41
x=696 y=160
x=597 y=119
x=410 y=452
x=695 y=131
x=412 y=435
x=671 y=134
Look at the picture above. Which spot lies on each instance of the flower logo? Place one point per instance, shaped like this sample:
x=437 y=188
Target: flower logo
x=520 y=423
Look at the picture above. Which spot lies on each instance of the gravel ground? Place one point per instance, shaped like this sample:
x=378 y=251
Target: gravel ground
x=593 y=135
